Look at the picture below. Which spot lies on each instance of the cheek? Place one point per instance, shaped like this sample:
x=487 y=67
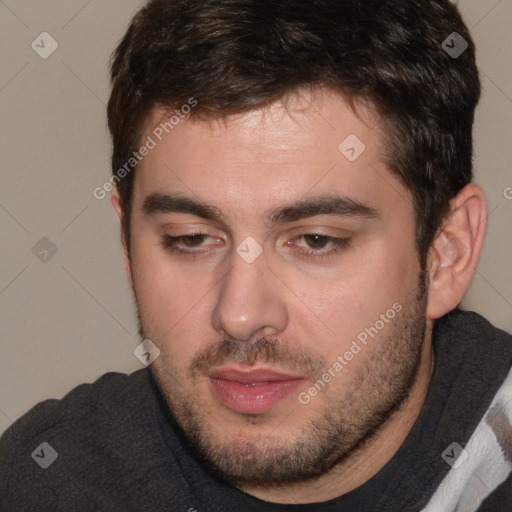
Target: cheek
x=166 y=297
x=347 y=305
x=159 y=280
x=175 y=306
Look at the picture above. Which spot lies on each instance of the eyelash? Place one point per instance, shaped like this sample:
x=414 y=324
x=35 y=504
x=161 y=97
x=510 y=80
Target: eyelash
x=339 y=245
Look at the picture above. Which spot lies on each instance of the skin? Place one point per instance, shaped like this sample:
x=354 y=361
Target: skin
x=310 y=307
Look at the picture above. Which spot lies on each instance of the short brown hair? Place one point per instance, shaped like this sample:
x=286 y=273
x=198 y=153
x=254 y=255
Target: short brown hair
x=233 y=56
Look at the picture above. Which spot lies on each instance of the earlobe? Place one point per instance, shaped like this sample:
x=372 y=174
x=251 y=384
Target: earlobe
x=115 y=198
x=455 y=252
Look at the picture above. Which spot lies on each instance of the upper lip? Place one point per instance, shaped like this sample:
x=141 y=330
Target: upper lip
x=251 y=375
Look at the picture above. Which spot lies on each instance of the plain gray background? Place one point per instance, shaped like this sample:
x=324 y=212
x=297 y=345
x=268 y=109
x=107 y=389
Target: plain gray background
x=69 y=319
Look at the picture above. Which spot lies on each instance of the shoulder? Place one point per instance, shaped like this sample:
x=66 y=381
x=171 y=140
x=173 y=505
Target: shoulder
x=58 y=441
x=78 y=404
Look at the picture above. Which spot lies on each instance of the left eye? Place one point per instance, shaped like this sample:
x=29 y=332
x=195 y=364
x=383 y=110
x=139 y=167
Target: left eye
x=321 y=244
x=315 y=241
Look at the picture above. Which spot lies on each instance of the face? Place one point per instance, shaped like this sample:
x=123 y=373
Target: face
x=276 y=271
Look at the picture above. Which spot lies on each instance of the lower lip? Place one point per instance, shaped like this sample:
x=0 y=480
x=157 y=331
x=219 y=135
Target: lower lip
x=252 y=399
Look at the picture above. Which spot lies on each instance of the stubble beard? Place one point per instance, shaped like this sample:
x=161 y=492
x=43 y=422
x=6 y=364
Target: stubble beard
x=350 y=418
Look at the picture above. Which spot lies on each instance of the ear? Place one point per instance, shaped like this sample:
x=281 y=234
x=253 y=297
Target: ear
x=115 y=197
x=455 y=252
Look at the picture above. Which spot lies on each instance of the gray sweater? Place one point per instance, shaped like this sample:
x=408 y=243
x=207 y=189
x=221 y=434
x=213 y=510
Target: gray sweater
x=113 y=445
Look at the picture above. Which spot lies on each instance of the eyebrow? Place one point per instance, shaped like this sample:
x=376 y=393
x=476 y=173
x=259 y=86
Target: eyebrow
x=320 y=205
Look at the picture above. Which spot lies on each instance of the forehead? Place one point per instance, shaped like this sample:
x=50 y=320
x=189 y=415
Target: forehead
x=304 y=116
x=310 y=143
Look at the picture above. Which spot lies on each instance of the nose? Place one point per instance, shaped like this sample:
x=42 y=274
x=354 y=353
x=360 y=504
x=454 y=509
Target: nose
x=250 y=302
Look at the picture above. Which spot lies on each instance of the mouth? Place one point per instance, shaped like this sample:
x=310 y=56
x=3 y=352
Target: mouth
x=253 y=391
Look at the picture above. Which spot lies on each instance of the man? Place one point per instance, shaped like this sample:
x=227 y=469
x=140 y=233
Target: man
x=293 y=181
